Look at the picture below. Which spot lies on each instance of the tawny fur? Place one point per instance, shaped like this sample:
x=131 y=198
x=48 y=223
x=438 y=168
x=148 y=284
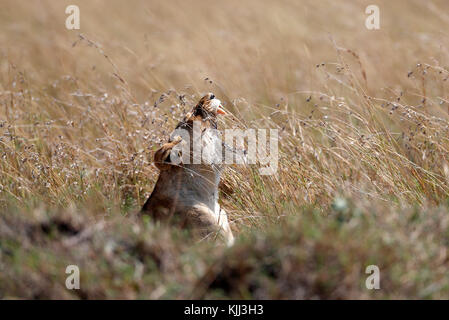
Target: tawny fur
x=187 y=194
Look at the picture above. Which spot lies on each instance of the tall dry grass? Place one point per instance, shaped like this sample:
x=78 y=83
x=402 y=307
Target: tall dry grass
x=362 y=115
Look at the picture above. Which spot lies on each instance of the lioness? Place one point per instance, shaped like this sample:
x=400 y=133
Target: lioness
x=187 y=193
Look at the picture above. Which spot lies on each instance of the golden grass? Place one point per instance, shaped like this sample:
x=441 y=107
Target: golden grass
x=362 y=115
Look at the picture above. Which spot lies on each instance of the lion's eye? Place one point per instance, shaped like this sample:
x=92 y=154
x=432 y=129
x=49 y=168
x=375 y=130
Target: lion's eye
x=212 y=97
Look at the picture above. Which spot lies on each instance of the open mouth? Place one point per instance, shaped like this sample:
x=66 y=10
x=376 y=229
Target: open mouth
x=216 y=104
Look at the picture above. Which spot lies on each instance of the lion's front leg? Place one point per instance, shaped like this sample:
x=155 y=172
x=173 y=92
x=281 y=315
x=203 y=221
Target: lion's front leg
x=223 y=222
x=162 y=155
x=207 y=223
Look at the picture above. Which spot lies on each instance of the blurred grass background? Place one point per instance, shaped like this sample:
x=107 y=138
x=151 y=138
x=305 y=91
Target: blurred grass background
x=363 y=126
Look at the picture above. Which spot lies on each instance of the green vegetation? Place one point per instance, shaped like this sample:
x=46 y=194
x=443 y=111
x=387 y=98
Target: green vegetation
x=363 y=124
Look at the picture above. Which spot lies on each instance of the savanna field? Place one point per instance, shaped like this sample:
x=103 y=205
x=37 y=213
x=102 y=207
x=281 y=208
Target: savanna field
x=363 y=122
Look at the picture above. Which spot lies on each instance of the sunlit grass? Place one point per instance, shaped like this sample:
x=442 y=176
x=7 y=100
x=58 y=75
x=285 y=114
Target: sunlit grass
x=363 y=147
